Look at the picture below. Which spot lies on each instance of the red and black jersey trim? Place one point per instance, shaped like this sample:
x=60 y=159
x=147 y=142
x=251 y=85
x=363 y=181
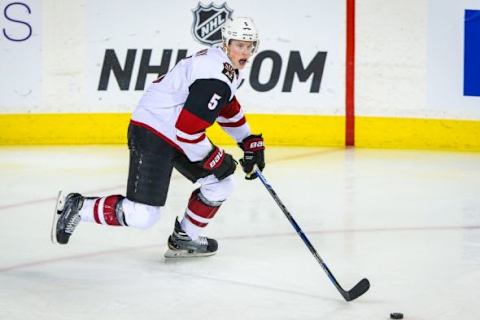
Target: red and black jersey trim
x=231 y=110
x=206 y=98
x=192 y=140
x=190 y=123
x=238 y=123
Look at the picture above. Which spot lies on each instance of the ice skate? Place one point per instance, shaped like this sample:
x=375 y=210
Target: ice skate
x=180 y=245
x=66 y=217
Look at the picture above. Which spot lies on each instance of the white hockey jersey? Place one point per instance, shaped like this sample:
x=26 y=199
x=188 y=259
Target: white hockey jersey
x=179 y=106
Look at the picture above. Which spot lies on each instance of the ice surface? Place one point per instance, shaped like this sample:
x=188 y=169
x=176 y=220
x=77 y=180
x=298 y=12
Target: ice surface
x=409 y=221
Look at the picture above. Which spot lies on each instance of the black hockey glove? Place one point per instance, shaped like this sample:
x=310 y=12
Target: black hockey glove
x=219 y=163
x=253 y=154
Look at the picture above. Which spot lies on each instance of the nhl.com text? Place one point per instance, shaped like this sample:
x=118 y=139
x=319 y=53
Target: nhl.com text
x=116 y=71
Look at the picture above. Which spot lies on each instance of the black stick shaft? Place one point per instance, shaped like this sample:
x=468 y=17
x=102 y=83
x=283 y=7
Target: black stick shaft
x=347 y=296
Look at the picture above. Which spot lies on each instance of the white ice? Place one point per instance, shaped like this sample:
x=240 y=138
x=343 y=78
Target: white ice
x=409 y=221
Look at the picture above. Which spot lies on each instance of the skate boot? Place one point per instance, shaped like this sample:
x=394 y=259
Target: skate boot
x=66 y=217
x=180 y=245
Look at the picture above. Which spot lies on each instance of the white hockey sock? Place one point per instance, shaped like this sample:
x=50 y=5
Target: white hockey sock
x=192 y=230
x=197 y=215
x=102 y=210
x=86 y=213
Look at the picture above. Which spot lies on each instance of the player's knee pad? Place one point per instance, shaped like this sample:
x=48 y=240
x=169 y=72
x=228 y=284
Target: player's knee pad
x=139 y=215
x=217 y=191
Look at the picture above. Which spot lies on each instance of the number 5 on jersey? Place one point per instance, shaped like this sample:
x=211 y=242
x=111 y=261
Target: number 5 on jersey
x=214 y=101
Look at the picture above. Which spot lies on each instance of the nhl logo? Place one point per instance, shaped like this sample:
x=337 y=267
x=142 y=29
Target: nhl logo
x=208 y=21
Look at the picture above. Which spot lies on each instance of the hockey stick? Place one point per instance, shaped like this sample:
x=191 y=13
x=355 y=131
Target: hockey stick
x=359 y=289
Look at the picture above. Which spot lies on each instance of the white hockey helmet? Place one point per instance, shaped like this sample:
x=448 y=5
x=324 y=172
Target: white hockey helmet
x=240 y=28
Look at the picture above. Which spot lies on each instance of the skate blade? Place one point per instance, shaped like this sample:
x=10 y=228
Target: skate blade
x=58 y=209
x=182 y=254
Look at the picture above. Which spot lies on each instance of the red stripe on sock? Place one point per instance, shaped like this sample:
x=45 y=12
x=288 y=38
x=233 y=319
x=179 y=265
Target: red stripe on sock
x=109 y=210
x=201 y=209
x=195 y=222
x=95 y=211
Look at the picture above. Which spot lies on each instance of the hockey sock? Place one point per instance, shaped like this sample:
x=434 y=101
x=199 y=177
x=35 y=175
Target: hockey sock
x=105 y=210
x=198 y=214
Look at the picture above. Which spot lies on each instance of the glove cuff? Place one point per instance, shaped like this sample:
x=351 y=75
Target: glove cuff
x=214 y=159
x=253 y=143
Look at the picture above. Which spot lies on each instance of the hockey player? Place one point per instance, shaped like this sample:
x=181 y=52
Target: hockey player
x=166 y=131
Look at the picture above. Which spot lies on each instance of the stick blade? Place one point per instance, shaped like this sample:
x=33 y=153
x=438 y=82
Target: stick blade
x=359 y=289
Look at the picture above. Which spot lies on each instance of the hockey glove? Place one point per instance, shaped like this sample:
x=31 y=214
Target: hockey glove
x=219 y=163
x=253 y=154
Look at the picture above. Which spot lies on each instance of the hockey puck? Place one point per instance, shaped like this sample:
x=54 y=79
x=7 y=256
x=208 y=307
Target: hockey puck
x=396 y=315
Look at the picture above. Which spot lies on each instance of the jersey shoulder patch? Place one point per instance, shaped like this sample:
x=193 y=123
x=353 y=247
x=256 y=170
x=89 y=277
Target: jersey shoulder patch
x=229 y=71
